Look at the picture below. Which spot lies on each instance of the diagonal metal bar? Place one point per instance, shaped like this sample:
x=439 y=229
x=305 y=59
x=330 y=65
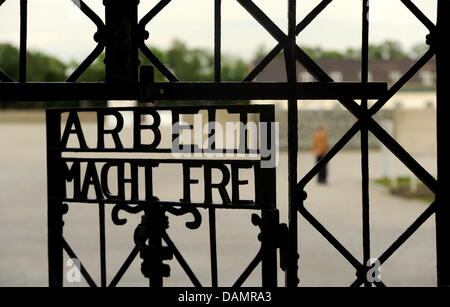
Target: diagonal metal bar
x=408 y=233
x=153 y=12
x=264 y=20
x=86 y=10
x=420 y=15
x=278 y=48
x=404 y=237
x=263 y=63
x=312 y=15
x=157 y=63
x=83 y=270
x=330 y=238
x=402 y=81
x=123 y=269
x=249 y=270
x=181 y=260
x=415 y=167
x=330 y=155
x=309 y=64
x=89 y=13
x=4 y=77
x=86 y=63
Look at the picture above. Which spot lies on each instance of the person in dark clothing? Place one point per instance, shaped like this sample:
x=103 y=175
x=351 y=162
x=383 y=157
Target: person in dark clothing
x=320 y=148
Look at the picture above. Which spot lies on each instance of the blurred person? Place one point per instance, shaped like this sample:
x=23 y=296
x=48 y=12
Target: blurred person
x=320 y=148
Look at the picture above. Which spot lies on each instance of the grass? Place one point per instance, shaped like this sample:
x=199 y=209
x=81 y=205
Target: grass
x=402 y=189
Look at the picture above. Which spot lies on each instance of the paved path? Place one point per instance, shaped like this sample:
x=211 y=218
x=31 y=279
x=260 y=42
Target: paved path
x=23 y=224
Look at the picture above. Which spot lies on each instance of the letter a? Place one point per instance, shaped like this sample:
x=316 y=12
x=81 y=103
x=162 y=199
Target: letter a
x=74 y=121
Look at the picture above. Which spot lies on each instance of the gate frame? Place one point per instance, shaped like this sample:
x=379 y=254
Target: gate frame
x=122 y=35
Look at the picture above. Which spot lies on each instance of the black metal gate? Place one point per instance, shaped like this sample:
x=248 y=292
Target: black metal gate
x=122 y=35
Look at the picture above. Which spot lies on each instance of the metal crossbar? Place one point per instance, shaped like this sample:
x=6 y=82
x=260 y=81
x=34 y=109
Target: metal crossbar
x=125 y=80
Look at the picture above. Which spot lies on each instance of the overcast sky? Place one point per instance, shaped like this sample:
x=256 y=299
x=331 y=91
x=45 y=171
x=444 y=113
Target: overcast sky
x=55 y=26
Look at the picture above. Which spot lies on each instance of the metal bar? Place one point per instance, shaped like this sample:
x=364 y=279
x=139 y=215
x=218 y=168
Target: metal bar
x=419 y=14
x=263 y=20
x=292 y=279
x=157 y=63
x=409 y=232
x=253 y=207
x=443 y=151
x=153 y=12
x=124 y=267
x=217 y=40
x=86 y=63
x=4 y=77
x=263 y=63
x=54 y=209
x=414 y=166
x=90 y=14
x=404 y=236
x=63 y=91
x=23 y=40
x=309 y=64
x=121 y=55
x=101 y=211
x=155 y=230
x=403 y=80
x=264 y=91
x=278 y=48
x=311 y=16
x=83 y=270
x=329 y=237
x=188 y=91
x=217 y=78
x=365 y=139
x=331 y=153
x=265 y=186
x=181 y=260
x=248 y=270
x=213 y=246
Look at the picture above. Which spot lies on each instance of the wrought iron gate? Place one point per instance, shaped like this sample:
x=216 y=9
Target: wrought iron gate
x=122 y=35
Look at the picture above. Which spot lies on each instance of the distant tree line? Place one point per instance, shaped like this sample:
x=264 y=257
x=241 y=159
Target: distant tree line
x=188 y=64
x=386 y=50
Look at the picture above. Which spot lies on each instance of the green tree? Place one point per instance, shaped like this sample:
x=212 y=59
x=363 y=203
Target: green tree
x=387 y=50
x=40 y=66
x=9 y=60
x=45 y=68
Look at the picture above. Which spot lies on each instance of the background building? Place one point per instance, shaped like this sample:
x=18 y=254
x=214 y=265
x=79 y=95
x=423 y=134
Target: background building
x=409 y=115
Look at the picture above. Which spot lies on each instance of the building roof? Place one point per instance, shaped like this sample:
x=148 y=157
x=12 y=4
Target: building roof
x=349 y=70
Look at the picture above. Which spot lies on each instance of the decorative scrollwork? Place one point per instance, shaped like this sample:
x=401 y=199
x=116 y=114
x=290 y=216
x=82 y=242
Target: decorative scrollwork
x=257 y=221
x=133 y=209
x=195 y=224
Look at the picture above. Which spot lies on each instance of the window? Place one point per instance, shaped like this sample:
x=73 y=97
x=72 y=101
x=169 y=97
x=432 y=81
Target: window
x=394 y=76
x=427 y=78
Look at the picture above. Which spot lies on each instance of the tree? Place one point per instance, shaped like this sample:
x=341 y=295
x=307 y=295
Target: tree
x=40 y=66
x=387 y=50
x=9 y=60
